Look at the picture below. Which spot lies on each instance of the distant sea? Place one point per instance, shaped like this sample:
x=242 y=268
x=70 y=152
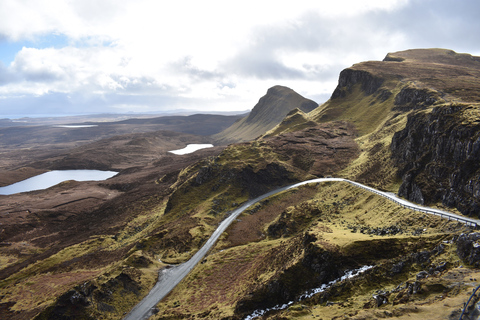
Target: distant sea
x=18 y=116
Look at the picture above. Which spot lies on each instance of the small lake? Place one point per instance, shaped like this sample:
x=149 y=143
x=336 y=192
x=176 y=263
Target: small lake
x=76 y=126
x=191 y=148
x=51 y=178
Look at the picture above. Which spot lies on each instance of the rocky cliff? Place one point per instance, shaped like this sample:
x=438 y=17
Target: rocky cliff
x=438 y=155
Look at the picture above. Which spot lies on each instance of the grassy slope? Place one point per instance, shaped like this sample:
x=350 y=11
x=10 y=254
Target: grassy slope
x=40 y=284
x=295 y=120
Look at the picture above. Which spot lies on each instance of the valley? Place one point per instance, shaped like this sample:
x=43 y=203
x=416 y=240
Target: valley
x=407 y=125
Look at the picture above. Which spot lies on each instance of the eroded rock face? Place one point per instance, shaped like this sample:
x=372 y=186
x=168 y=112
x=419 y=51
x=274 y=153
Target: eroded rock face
x=414 y=98
x=77 y=303
x=71 y=305
x=349 y=77
x=316 y=266
x=468 y=248
x=438 y=155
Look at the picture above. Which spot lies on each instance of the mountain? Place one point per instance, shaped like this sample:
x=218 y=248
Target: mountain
x=406 y=125
x=270 y=110
x=417 y=111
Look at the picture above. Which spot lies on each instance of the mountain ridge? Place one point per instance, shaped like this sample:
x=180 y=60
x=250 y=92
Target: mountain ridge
x=421 y=97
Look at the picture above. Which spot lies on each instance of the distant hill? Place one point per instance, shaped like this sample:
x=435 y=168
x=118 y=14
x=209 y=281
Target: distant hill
x=200 y=124
x=270 y=110
x=33 y=136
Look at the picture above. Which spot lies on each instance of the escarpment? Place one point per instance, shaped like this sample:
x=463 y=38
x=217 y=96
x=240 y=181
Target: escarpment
x=417 y=114
x=315 y=266
x=349 y=77
x=410 y=98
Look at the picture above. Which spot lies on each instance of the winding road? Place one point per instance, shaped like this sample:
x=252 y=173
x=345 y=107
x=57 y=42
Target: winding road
x=170 y=277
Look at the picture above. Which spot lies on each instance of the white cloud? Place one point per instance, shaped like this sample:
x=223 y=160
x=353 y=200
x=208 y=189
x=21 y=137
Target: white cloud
x=207 y=54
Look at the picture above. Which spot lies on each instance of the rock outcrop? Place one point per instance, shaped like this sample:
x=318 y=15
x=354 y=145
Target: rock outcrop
x=350 y=77
x=315 y=267
x=468 y=248
x=438 y=155
x=414 y=98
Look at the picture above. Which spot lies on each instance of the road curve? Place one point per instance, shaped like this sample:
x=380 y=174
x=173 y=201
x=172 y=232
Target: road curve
x=170 y=277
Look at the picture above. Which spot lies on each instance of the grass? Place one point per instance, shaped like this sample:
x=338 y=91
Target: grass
x=39 y=284
x=366 y=112
x=7 y=259
x=208 y=191
x=376 y=122
x=334 y=209
x=471 y=114
x=296 y=120
x=226 y=276
x=441 y=298
x=42 y=290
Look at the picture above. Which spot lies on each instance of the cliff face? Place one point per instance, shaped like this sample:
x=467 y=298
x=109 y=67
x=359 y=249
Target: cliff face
x=349 y=77
x=438 y=155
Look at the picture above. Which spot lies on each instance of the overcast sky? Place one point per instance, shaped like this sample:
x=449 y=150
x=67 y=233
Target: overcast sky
x=91 y=56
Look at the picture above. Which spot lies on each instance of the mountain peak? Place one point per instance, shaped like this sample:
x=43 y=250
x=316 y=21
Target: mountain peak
x=277 y=103
x=270 y=110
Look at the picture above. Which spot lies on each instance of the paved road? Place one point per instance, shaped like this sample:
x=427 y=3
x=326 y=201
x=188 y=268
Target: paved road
x=170 y=277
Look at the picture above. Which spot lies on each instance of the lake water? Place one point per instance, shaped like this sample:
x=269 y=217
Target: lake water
x=76 y=126
x=191 y=148
x=51 y=178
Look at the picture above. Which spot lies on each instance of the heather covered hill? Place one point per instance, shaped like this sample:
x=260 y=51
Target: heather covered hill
x=270 y=110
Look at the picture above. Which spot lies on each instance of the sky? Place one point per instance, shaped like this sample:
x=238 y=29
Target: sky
x=67 y=57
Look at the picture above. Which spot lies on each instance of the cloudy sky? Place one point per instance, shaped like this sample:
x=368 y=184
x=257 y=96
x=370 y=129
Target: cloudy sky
x=90 y=56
